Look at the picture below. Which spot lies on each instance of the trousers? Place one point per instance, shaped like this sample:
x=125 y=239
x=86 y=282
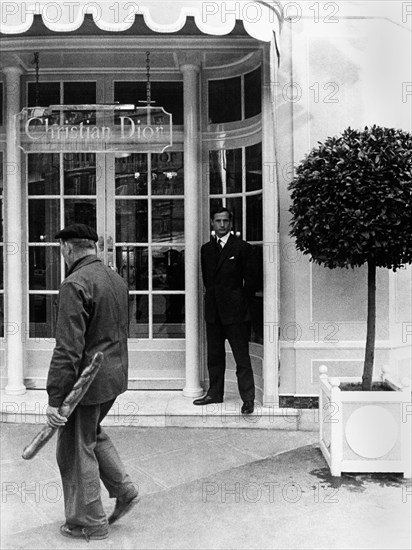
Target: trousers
x=85 y=455
x=238 y=337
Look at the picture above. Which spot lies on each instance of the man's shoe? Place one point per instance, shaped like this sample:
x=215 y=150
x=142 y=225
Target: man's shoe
x=89 y=533
x=123 y=506
x=207 y=400
x=248 y=407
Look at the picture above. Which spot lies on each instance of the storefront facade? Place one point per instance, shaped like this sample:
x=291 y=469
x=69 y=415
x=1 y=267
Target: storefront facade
x=229 y=81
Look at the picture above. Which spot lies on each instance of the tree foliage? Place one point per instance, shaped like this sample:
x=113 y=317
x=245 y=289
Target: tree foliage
x=352 y=199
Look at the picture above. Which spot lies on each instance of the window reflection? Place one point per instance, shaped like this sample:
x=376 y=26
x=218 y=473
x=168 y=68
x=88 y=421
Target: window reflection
x=138 y=316
x=44 y=267
x=44 y=220
x=254 y=167
x=169 y=316
x=167 y=174
x=80 y=211
x=42 y=315
x=236 y=207
x=158 y=265
x=226 y=101
x=168 y=221
x=43 y=174
x=132 y=265
x=168 y=95
x=168 y=269
x=225 y=168
x=131 y=221
x=79 y=173
x=254 y=216
x=131 y=174
x=253 y=93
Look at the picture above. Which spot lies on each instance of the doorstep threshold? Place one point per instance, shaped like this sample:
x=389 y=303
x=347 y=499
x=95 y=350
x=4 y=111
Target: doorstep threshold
x=166 y=409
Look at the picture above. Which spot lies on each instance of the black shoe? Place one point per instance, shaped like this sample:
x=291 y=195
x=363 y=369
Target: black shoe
x=123 y=506
x=89 y=533
x=207 y=400
x=248 y=407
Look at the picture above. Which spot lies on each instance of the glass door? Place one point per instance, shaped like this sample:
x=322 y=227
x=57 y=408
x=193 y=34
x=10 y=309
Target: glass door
x=145 y=244
x=61 y=190
x=136 y=204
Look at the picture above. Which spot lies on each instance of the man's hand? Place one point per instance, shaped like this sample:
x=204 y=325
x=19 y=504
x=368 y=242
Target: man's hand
x=54 y=418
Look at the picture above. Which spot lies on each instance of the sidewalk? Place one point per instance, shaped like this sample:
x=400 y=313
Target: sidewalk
x=206 y=488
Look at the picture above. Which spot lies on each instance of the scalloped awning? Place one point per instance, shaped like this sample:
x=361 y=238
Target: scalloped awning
x=260 y=18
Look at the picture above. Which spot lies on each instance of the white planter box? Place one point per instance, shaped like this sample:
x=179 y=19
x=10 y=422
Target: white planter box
x=365 y=431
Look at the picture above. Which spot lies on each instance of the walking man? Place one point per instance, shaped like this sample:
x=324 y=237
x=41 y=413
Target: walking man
x=228 y=276
x=92 y=316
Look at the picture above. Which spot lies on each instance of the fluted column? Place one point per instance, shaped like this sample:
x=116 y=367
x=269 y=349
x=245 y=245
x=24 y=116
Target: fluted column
x=13 y=240
x=192 y=228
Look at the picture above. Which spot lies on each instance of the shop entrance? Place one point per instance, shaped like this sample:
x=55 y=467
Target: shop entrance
x=136 y=204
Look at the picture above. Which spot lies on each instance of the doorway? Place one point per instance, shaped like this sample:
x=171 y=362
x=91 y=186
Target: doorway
x=136 y=204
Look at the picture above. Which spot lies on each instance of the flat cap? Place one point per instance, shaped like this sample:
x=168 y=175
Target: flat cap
x=77 y=231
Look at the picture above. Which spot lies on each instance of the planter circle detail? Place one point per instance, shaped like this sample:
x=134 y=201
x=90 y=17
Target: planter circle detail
x=371 y=431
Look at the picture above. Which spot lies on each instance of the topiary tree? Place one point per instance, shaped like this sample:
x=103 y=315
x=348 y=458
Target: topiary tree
x=352 y=204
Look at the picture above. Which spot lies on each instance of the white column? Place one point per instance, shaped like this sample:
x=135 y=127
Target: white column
x=13 y=241
x=270 y=237
x=192 y=226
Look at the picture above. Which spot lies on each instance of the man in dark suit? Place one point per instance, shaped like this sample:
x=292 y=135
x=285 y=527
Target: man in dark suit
x=228 y=276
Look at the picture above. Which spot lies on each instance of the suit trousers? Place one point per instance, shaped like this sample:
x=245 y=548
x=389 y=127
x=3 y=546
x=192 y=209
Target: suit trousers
x=238 y=336
x=85 y=454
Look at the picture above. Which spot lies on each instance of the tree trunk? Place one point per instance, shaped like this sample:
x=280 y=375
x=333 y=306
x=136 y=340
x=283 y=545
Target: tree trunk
x=371 y=328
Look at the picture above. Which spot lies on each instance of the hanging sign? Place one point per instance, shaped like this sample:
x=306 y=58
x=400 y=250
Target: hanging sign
x=94 y=128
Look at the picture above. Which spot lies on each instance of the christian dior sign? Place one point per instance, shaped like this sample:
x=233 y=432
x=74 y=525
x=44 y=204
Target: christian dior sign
x=94 y=128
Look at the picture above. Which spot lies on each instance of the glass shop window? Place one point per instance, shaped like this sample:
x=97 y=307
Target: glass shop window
x=49 y=94
x=225 y=169
x=253 y=93
x=79 y=93
x=225 y=100
x=61 y=189
x=168 y=95
x=150 y=253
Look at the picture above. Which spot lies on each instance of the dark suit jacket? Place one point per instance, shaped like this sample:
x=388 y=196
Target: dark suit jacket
x=92 y=316
x=229 y=279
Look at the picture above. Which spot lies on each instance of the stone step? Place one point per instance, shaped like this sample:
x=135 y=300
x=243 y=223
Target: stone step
x=168 y=408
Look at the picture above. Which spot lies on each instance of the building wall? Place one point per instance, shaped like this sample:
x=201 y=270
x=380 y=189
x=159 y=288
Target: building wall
x=340 y=66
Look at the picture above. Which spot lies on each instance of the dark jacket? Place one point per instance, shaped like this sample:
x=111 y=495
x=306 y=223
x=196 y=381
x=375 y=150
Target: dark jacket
x=92 y=316
x=229 y=279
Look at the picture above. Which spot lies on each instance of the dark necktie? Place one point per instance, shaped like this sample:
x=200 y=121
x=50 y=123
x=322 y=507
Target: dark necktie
x=218 y=247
